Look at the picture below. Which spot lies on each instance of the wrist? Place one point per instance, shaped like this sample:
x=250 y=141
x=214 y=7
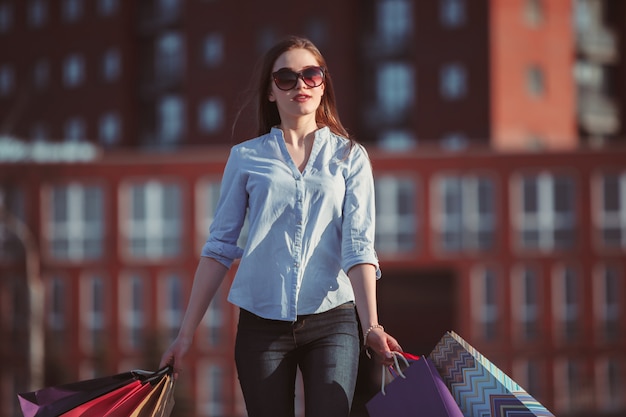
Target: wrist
x=369 y=330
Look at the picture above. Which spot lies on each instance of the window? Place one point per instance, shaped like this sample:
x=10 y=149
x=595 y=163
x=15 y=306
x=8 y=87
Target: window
x=528 y=374
x=111 y=65
x=93 y=315
x=452 y=13
x=13 y=201
x=41 y=73
x=464 y=215
x=545 y=218
x=169 y=57
x=107 y=7
x=75 y=130
x=152 y=222
x=453 y=82
x=6 y=17
x=535 y=81
x=567 y=304
x=395 y=89
x=317 y=30
x=7 y=79
x=525 y=289
x=396 y=214
x=584 y=13
x=608 y=300
x=15 y=311
x=75 y=227
x=569 y=396
x=396 y=140
x=533 y=12
x=110 y=129
x=39 y=132
x=171 y=119
x=73 y=71
x=133 y=304
x=59 y=304
x=213 y=50
x=71 y=10
x=395 y=21
x=591 y=75
x=211 y=115
x=610 y=384
x=485 y=302
x=454 y=141
x=168 y=7
x=37 y=13
x=171 y=308
x=610 y=211
x=211 y=389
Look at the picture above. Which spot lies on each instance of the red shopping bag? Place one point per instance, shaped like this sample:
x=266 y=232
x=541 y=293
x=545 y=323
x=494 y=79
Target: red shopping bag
x=416 y=390
x=138 y=393
x=100 y=405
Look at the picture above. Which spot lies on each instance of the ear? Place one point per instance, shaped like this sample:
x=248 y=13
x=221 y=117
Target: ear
x=271 y=97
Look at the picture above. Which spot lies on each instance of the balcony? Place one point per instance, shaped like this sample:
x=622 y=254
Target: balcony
x=599 y=45
x=598 y=114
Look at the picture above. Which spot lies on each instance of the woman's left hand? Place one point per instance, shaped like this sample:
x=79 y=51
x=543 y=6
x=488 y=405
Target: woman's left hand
x=382 y=344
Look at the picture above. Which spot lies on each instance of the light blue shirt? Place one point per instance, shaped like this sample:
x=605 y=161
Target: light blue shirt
x=307 y=229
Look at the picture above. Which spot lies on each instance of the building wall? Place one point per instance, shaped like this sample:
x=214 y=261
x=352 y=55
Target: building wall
x=176 y=73
x=532 y=88
x=529 y=294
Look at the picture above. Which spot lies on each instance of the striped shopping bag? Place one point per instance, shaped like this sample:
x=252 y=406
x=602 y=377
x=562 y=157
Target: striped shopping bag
x=478 y=386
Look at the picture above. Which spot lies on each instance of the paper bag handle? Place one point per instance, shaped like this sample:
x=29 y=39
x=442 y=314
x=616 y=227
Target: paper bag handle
x=395 y=366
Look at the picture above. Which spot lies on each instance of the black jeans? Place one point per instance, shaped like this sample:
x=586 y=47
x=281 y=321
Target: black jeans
x=324 y=346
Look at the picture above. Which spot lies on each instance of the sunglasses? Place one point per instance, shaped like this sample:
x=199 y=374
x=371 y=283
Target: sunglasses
x=286 y=79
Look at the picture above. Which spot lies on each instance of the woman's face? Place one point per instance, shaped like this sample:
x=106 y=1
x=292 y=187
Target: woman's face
x=302 y=100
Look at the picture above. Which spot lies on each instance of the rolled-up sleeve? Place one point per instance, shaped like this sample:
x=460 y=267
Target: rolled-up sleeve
x=359 y=213
x=230 y=214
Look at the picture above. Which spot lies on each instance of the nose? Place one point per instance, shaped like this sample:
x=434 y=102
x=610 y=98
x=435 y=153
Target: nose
x=299 y=80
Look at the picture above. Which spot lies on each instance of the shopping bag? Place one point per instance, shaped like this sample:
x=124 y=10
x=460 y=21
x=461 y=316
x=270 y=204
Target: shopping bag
x=53 y=401
x=100 y=405
x=478 y=386
x=149 y=403
x=116 y=395
x=417 y=390
x=165 y=403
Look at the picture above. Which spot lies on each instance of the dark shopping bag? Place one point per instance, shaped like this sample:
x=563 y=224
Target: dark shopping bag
x=127 y=394
x=478 y=386
x=417 y=390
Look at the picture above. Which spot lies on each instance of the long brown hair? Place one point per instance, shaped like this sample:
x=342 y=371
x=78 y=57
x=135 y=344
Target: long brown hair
x=267 y=111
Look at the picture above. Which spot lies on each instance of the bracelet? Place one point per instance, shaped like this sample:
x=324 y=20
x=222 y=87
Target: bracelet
x=372 y=327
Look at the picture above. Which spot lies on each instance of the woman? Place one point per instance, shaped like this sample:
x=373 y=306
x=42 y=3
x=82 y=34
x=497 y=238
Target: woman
x=309 y=196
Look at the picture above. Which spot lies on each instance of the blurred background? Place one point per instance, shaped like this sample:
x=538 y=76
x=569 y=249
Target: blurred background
x=497 y=133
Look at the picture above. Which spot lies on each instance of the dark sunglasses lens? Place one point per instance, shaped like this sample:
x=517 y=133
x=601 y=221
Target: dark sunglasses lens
x=313 y=77
x=285 y=79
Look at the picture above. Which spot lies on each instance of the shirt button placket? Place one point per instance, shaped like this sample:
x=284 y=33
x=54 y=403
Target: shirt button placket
x=297 y=250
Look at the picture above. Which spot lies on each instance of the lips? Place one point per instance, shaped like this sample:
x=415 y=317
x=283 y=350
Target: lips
x=301 y=97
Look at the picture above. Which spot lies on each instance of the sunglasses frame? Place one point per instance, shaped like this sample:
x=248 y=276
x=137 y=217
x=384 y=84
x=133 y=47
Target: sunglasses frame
x=299 y=75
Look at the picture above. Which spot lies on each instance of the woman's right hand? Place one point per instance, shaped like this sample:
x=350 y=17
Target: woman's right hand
x=175 y=353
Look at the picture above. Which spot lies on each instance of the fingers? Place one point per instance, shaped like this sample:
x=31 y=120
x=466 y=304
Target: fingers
x=393 y=344
x=384 y=346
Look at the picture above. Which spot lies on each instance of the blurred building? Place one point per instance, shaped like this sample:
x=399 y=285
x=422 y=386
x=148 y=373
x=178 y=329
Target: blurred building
x=498 y=143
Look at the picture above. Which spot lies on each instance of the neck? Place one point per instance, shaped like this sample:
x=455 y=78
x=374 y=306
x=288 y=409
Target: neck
x=296 y=133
